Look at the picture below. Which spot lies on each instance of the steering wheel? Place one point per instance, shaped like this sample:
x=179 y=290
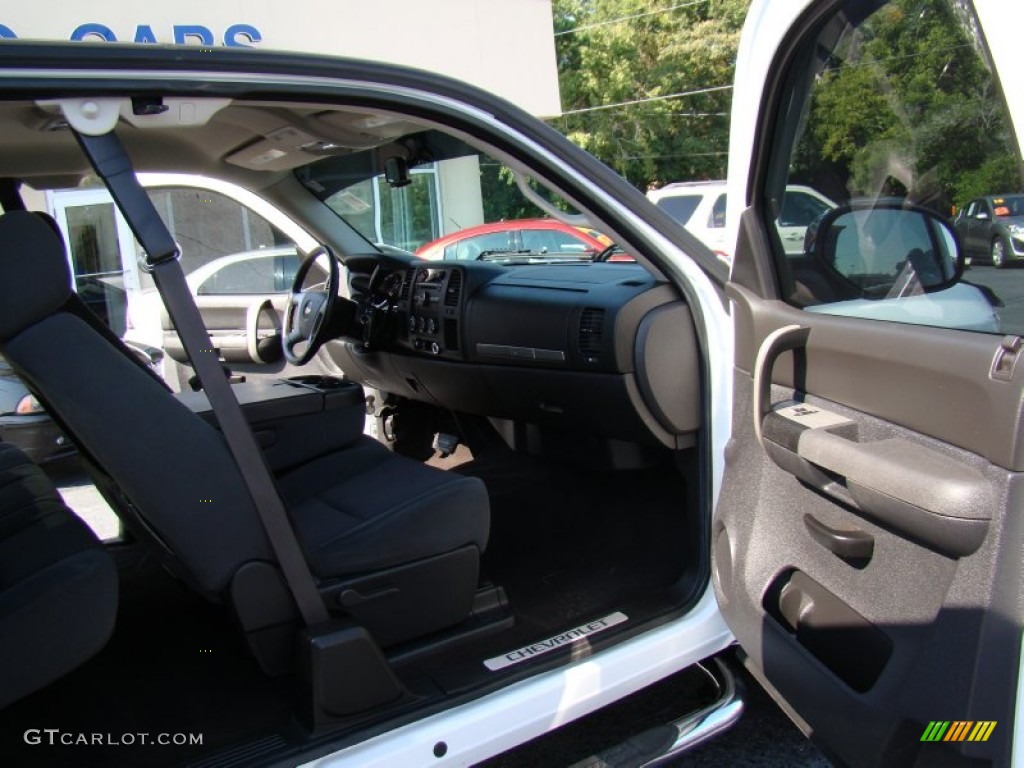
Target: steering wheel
x=309 y=311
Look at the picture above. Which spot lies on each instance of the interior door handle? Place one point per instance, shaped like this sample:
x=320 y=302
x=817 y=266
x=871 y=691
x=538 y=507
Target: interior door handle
x=778 y=341
x=850 y=544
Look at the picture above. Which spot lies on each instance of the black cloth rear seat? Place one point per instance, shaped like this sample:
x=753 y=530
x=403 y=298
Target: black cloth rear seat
x=58 y=585
x=360 y=512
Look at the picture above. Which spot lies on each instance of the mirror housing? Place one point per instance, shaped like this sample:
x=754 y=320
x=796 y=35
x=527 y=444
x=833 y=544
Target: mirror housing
x=887 y=248
x=396 y=172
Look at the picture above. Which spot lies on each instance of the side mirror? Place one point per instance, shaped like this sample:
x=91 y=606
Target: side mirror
x=982 y=216
x=887 y=248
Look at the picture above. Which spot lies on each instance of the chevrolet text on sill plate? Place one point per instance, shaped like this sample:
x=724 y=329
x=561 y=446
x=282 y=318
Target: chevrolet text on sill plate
x=557 y=641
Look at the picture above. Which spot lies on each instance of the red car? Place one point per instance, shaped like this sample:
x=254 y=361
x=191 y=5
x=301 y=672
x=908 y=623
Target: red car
x=519 y=235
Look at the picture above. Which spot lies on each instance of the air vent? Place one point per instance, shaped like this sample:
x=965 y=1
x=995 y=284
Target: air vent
x=591 y=332
x=410 y=275
x=454 y=290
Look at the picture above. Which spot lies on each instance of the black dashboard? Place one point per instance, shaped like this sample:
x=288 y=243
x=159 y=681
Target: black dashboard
x=604 y=349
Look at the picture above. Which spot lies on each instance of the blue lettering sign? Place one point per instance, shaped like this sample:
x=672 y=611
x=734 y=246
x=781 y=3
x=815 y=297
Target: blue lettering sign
x=182 y=33
x=85 y=31
x=235 y=36
x=241 y=36
x=144 y=34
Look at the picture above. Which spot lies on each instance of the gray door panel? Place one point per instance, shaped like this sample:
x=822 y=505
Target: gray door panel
x=932 y=380
x=873 y=613
x=245 y=328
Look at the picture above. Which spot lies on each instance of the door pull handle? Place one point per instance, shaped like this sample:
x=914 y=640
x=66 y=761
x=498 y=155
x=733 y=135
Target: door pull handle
x=853 y=545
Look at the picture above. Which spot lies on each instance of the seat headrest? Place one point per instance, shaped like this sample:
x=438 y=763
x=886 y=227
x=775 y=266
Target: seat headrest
x=35 y=280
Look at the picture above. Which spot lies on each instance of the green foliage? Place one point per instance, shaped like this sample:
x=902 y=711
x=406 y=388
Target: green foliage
x=502 y=198
x=636 y=83
x=908 y=103
x=996 y=175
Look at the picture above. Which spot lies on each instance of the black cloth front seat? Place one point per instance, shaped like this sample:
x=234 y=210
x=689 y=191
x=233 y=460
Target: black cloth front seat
x=58 y=585
x=358 y=512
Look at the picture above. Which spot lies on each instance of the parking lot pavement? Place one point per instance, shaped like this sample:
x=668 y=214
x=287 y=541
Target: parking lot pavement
x=1008 y=285
x=763 y=738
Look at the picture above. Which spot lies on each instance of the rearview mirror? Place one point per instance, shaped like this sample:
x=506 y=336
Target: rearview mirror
x=396 y=172
x=890 y=248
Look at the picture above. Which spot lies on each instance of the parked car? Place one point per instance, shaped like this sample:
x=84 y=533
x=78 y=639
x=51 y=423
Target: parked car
x=540 y=236
x=24 y=422
x=592 y=476
x=700 y=206
x=991 y=229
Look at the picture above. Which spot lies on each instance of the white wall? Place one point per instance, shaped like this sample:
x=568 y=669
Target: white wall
x=462 y=203
x=504 y=46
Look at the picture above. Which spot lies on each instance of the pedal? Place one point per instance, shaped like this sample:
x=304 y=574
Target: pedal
x=445 y=444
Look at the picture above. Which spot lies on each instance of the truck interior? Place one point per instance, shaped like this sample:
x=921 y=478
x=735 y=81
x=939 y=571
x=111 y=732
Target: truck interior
x=535 y=488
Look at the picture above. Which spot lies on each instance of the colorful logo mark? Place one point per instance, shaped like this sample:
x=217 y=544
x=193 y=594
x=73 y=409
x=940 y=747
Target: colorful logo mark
x=958 y=730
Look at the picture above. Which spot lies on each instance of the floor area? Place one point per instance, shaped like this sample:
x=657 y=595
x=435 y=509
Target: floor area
x=567 y=544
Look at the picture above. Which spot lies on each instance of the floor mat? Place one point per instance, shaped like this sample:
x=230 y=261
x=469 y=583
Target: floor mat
x=570 y=544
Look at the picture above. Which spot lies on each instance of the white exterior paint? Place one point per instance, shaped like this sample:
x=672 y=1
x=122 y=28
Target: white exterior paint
x=505 y=47
x=520 y=712
x=765 y=26
x=1001 y=23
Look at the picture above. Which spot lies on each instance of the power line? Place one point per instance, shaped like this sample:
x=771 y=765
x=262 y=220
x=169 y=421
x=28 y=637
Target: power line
x=597 y=24
x=682 y=154
x=681 y=95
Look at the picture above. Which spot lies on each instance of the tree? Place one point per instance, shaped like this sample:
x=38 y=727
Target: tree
x=908 y=102
x=648 y=90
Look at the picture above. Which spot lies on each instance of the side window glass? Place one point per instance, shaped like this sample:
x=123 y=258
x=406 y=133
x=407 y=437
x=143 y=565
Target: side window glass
x=263 y=273
x=898 y=109
x=471 y=248
x=717 y=218
x=800 y=209
x=551 y=241
x=209 y=226
x=679 y=207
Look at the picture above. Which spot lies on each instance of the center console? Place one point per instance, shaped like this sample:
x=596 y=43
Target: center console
x=295 y=420
x=430 y=308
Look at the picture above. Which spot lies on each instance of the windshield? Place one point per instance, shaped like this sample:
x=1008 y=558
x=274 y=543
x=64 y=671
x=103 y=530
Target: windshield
x=430 y=194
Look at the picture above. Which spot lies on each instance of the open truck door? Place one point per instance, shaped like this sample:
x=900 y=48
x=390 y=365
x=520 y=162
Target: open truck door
x=867 y=539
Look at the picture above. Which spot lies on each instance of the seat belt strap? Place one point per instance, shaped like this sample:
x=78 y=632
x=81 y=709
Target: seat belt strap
x=111 y=162
x=10 y=196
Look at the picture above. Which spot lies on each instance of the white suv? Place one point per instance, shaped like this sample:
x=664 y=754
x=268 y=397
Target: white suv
x=700 y=207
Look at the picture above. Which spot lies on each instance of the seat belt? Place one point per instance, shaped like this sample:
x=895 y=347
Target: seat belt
x=10 y=197
x=107 y=155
